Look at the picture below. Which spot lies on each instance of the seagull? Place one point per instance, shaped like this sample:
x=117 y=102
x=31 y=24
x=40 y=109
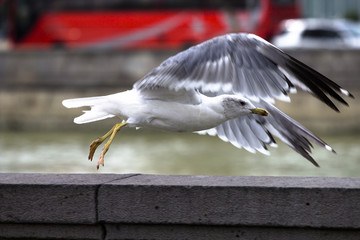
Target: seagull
x=225 y=87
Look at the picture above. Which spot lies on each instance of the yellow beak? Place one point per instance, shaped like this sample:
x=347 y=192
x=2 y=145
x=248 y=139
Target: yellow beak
x=259 y=111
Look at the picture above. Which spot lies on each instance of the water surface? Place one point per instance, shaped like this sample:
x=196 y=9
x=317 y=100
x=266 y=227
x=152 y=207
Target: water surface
x=151 y=152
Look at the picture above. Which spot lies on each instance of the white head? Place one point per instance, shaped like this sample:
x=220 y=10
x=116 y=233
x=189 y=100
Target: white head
x=236 y=106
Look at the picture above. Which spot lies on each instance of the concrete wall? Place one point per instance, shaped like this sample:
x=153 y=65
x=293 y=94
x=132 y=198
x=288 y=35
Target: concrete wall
x=79 y=70
x=33 y=84
x=134 y=206
x=108 y=69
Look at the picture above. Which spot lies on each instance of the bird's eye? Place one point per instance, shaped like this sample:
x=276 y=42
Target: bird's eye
x=242 y=103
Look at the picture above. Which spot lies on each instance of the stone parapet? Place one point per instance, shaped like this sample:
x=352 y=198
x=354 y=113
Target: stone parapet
x=135 y=206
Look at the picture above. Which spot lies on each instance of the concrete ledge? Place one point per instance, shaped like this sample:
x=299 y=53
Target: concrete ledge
x=133 y=206
x=209 y=232
x=51 y=231
x=215 y=200
x=47 y=198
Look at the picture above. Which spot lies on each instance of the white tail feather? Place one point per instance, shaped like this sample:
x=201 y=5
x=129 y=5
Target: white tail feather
x=96 y=113
x=92 y=116
x=83 y=102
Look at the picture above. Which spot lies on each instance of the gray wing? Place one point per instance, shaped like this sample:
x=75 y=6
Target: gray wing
x=165 y=94
x=255 y=133
x=241 y=64
x=248 y=65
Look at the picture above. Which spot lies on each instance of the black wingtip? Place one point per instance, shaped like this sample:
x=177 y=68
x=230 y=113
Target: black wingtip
x=313 y=161
x=319 y=84
x=328 y=102
x=306 y=155
x=346 y=93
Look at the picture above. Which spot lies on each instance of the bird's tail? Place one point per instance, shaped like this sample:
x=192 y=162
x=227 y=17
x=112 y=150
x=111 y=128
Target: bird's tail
x=96 y=113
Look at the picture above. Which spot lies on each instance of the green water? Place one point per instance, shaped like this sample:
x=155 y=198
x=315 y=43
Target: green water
x=150 y=152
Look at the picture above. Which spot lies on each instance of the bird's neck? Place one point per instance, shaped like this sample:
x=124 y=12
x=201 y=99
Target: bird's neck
x=214 y=105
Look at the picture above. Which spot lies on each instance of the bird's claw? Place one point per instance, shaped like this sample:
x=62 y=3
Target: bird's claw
x=102 y=155
x=93 y=147
x=97 y=142
x=101 y=160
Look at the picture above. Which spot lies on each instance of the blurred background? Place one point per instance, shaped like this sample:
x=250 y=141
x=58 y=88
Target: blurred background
x=53 y=50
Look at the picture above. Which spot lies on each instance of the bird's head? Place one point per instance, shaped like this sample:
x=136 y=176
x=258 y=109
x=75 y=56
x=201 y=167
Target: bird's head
x=236 y=106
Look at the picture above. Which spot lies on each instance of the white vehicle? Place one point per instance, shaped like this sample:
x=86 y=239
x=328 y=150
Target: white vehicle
x=318 y=34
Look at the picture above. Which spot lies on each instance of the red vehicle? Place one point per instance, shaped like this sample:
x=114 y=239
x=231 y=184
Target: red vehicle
x=134 y=24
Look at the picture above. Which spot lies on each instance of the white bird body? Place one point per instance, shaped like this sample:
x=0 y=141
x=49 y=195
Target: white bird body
x=161 y=112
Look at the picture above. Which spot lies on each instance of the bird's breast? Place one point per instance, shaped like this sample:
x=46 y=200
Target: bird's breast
x=178 y=117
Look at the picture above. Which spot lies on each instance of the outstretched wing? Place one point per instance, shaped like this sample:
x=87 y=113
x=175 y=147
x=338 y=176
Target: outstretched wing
x=241 y=64
x=247 y=65
x=255 y=133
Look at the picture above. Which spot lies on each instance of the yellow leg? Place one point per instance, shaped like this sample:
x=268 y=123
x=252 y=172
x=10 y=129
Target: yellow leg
x=97 y=142
x=100 y=140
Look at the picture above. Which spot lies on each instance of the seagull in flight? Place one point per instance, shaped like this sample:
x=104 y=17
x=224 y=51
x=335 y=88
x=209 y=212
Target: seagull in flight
x=225 y=87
